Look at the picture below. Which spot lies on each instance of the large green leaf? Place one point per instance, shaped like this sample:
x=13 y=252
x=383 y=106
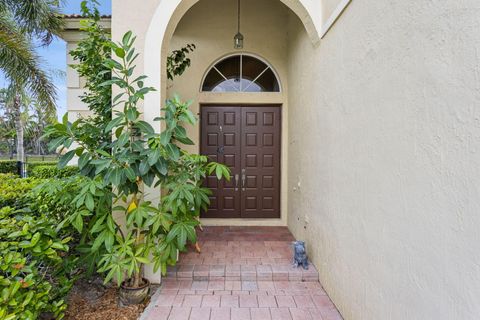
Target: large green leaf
x=101 y=164
x=130 y=174
x=77 y=222
x=153 y=156
x=148 y=178
x=99 y=240
x=83 y=160
x=173 y=151
x=180 y=132
x=161 y=166
x=119 y=52
x=132 y=114
x=113 y=123
x=126 y=38
x=165 y=137
x=55 y=143
x=65 y=159
x=174 y=232
x=145 y=127
x=116 y=176
x=144 y=167
x=89 y=203
x=122 y=140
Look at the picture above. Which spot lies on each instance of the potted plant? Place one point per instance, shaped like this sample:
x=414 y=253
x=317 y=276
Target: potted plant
x=136 y=232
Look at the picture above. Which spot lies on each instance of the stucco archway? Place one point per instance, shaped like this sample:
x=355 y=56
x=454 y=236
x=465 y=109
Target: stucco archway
x=161 y=28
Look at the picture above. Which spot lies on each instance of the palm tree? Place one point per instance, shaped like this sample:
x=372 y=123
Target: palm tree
x=36 y=118
x=26 y=118
x=7 y=127
x=13 y=101
x=20 y=23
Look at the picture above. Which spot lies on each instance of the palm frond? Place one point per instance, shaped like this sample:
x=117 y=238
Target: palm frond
x=21 y=64
x=39 y=18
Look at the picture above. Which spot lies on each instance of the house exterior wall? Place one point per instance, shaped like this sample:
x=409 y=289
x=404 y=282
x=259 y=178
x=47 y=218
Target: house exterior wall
x=135 y=17
x=327 y=8
x=383 y=143
x=384 y=140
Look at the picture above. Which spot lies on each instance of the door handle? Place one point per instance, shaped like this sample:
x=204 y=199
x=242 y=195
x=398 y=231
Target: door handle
x=236 y=182
x=243 y=179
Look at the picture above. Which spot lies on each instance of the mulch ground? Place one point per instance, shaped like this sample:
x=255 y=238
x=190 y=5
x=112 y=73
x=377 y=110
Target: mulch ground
x=91 y=300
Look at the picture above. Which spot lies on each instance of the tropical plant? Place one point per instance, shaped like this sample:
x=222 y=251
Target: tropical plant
x=137 y=156
x=178 y=61
x=91 y=53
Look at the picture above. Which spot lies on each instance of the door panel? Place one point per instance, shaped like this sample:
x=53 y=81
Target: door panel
x=220 y=141
x=260 y=147
x=247 y=139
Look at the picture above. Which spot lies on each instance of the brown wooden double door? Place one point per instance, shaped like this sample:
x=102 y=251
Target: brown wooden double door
x=247 y=139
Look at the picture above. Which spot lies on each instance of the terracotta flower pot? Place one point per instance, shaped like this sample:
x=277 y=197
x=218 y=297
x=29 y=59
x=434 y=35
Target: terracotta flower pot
x=129 y=295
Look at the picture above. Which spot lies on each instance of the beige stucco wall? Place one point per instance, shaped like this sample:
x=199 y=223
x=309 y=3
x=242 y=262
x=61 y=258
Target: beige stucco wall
x=384 y=140
x=328 y=7
x=133 y=16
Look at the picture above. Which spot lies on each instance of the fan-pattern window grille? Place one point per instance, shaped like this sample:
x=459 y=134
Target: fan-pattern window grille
x=241 y=73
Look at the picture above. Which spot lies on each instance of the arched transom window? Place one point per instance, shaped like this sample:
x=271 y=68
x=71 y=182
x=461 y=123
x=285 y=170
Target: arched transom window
x=240 y=73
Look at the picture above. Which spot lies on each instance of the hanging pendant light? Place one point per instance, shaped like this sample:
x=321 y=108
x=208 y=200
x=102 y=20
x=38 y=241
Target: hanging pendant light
x=238 y=39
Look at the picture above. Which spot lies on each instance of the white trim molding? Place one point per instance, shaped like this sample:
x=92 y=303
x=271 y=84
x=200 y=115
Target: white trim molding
x=334 y=17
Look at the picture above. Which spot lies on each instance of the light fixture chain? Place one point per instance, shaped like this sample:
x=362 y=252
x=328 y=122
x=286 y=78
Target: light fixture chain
x=238 y=38
x=238 y=10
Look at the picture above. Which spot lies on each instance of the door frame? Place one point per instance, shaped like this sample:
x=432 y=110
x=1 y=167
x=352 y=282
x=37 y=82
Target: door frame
x=281 y=160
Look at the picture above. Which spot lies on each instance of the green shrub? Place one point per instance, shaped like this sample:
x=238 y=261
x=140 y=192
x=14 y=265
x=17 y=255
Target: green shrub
x=32 y=165
x=10 y=166
x=4 y=176
x=35 y=270
x=48 y=172
x=54 y=197
x=36 y=265
x=74 y=196
x=14 y=189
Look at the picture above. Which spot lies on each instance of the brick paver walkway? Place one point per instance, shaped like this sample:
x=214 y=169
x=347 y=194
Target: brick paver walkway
x=242 y=273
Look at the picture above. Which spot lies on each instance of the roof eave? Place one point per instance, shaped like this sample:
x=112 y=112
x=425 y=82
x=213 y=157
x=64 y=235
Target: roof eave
x=72 y=31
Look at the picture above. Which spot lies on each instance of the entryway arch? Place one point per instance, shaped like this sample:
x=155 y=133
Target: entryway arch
x=162 y=26
x=208 y=25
